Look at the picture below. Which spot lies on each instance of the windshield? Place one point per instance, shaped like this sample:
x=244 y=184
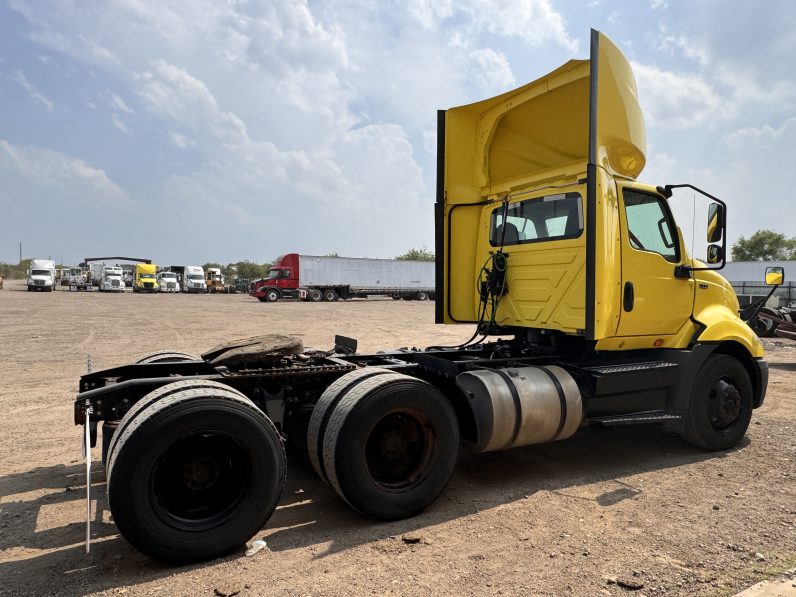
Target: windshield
x=169 y=276
x=274 y=273
x=147 y=276
x=40 y=272
x=195 y=277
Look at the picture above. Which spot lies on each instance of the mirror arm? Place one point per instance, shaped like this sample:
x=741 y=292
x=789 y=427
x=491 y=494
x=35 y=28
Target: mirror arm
x=760 y=304
x=666 y=191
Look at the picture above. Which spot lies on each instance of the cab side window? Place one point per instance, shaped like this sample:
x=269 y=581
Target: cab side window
x=554 y=217
x=650 y=226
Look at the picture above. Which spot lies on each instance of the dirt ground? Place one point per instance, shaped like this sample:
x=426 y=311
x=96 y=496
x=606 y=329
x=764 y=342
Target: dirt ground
x=607 y=512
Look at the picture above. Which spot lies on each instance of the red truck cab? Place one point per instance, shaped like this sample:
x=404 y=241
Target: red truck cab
x=282 y=280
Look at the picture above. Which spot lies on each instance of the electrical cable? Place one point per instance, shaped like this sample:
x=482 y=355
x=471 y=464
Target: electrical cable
x=486 y=291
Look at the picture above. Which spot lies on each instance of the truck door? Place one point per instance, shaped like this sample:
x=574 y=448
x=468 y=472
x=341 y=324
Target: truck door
x=654 y=301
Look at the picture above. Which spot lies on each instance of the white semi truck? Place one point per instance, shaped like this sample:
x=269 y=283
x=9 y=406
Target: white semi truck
x=111 y=280
x=41 y=275
x=168 y=282
x=191 y=278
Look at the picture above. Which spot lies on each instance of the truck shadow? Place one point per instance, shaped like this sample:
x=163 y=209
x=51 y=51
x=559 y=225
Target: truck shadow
x=310 y=515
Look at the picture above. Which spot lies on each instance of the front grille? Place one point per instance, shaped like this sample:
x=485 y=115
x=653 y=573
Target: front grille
x=115 y=283
x=171 y=285
x=148 y=284
x=38 y=282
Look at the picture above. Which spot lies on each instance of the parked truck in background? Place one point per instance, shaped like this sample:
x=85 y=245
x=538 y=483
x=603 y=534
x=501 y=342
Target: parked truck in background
x=95 y=272
x=41 y=275
x=145 y=279
x=587 y=310
x=78 y=278
x=191 y=278
x=168 y=281
x=315 y=278
x=215 y=280
x=111 y=280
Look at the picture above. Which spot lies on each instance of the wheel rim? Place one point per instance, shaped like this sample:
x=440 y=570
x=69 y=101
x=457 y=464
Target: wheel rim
x=200 y=479
x=272 y=295
x=399 y=450
x=725 y=405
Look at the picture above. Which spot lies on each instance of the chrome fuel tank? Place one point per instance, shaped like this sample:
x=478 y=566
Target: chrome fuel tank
x=521 y=406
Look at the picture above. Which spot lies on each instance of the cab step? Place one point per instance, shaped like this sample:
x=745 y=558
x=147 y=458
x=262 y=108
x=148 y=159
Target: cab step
x=636 y=418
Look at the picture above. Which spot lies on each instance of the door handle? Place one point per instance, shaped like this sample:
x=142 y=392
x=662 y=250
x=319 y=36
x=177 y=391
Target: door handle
x=627 y=297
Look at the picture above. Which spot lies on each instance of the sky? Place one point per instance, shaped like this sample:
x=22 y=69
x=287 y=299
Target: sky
x=193 y=131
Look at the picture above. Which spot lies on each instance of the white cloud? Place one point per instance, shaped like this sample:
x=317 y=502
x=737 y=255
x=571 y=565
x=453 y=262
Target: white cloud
x=693 y=49
x=656 y=4
x=756 y=138
x=119 y=124
x=119 y=104
x=491 y=71
x=34 y=93
x=678 y=100
x=55 y=179
x=430 y=12
x=181 y=141
x=535 y=22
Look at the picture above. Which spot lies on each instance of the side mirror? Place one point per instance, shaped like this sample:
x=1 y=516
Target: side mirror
x=775 y=276
x=715 y=223
x=715 y=254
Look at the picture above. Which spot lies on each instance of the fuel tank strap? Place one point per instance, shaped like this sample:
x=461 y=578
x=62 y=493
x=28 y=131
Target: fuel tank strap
x=517 y=404
x=561 y=398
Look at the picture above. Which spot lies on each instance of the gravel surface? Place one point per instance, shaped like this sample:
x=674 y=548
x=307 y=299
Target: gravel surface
x=608 y=512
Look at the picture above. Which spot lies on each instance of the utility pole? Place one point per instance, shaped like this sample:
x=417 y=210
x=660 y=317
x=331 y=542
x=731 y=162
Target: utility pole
x=20 y=252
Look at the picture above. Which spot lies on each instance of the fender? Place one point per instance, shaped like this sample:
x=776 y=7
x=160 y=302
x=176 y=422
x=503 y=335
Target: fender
x=723 y=325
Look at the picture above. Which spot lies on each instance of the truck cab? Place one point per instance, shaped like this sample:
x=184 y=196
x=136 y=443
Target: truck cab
x=194 y=279
x=544 y=232
x=145 y=279
x=168 y=282
x=41 y=275
x=111 y=279
x=282 y=279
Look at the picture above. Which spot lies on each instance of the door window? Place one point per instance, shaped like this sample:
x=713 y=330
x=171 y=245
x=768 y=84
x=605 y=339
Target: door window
x=650 y=226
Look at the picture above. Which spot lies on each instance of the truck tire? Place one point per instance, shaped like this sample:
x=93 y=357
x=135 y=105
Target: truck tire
x=330 y=295
x=390 y=446
x=720 y=407
x=272 y=295
x=159 y=394
x=166 y=356
x=422 y=296
x=323 y=410
x=195 y=475
x=314 y=295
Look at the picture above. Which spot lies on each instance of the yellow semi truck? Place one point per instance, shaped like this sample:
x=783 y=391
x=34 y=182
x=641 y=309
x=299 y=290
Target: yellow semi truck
x=587 y=308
